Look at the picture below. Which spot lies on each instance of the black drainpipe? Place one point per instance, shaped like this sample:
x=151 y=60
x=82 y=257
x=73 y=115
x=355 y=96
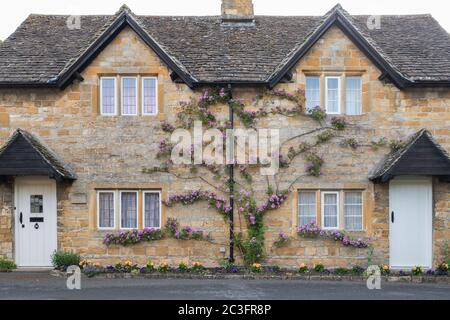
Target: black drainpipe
x=231 y=179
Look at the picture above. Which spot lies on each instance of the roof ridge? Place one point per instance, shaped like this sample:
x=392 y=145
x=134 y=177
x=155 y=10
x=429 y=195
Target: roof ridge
x=43 y=49
x=337 y=7
x=124 y=8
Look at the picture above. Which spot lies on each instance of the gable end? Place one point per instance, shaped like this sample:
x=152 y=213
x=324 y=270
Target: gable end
x=122 y=21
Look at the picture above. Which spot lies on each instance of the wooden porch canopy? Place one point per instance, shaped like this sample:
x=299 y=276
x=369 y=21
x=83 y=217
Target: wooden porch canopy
x=421 y=156
x=24 y=155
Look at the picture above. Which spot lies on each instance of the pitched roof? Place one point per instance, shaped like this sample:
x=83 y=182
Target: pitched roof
x=24 y=154
x=410 y=50
x=422 y=155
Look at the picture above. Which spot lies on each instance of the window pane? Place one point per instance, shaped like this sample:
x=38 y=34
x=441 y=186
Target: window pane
x=312 y=92
x=330 y=210
x=151 y=210
x=332 y=95
x=353 y=95
x=108 y=95
x=129 y=210
x=149 y=95
x=306 y=208
x=353 y=210
x=37 y=204
x=106 y=209
x=129 y=98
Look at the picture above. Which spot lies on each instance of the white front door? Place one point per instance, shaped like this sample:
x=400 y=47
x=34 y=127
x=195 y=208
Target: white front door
x=35 y=221
x=410 y=216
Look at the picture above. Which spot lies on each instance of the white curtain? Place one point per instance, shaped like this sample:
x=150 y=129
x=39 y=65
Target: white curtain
x=108 y=95
x=312 y=92
x=129 y=210
x=330 y=210
x=149 y=95
x=106 y=209
x=353 y=211
x=306 y=208
x=129 y=98
x=151 y=210
x=353 y=95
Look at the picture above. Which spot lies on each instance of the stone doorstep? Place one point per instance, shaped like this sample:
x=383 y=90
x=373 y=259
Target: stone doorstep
x=410 y=279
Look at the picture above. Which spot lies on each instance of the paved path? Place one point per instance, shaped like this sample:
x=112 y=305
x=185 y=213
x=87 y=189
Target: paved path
x=34 y=285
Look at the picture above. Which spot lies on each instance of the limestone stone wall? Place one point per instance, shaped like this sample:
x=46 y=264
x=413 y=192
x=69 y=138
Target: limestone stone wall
x=110 y=152
x=6 y=224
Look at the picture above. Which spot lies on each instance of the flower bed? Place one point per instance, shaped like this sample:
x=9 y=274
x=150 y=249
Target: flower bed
x=196 y=270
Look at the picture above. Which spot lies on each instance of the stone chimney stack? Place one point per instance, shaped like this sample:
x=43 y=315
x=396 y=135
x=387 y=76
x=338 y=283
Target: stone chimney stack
x=237 y=11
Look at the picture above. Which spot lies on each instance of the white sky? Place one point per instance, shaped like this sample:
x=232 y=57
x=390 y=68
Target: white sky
x=15 y=11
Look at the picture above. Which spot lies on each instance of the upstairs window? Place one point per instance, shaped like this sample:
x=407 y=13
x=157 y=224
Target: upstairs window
x=129 y=96
x=108 y=105
x=332 y=92
x=149 y=96
x=353 y=96
x=312 y=92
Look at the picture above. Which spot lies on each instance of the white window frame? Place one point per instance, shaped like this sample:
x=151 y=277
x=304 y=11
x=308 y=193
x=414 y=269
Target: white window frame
x=298 y=205
x=339 y=94
x=362 y=209
x=137 y=209
x=143 y=208
x=98 y=209
x=121 y=95
x=322 y=213
x=115 y=96
x=156 y=97
x=360 y=95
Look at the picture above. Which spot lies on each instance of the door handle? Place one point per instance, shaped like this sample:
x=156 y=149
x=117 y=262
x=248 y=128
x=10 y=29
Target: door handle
x=393 y=217
x=21 y=220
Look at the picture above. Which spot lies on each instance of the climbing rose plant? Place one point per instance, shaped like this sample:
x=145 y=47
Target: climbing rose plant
x=171 y=230
x=192 y=197
x=312 y=230
x=250 y=244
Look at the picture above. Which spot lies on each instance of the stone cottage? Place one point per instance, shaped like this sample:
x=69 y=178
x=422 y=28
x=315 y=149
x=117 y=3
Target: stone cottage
x=362 y=105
